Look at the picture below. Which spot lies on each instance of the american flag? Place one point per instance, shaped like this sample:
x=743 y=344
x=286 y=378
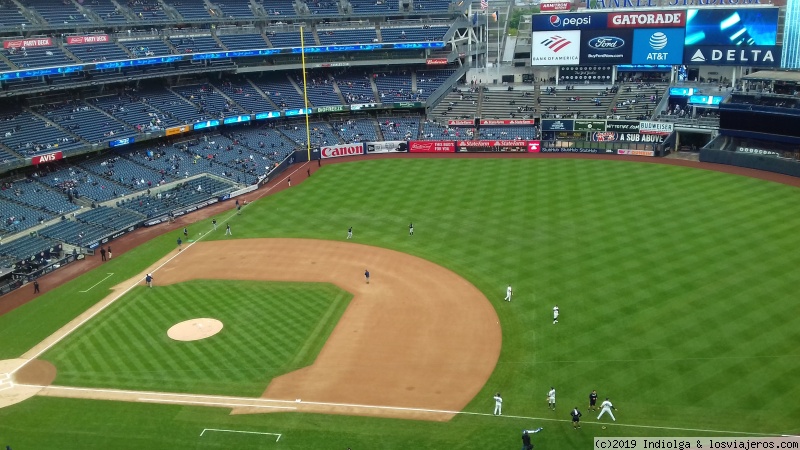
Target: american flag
x=484 y=4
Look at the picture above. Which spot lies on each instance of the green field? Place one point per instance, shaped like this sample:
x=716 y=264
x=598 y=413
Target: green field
x=677 y=289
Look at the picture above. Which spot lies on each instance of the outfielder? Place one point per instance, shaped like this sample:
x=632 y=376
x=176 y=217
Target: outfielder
x=508 y=293
x=228 y=230
x=555 y=314
x=411 y=229
x=606 y=407
x=498 y=405
x=350 y=233
x=551 y=398
x=214 y=222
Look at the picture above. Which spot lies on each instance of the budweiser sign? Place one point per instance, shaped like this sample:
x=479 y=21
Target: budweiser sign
x=555 y=6
x=432 y=147
x=93 y=39
x=336 y=151
x=509 y=122
x=461 y=123
x=436 y=61
x=55 y=156
x=28 y=43
x=647 y=19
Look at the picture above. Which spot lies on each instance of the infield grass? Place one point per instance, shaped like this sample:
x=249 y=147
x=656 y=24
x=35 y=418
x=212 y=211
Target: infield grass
x=677 y=289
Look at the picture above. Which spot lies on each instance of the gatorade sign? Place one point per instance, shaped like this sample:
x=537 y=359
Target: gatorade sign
x=662 y=19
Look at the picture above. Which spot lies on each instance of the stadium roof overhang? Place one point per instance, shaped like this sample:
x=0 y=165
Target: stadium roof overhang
x=774 y=75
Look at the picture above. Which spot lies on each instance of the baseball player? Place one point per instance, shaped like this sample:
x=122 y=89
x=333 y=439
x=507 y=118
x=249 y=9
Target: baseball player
x=411 y=229
x=180 y=243
x=228 y=230
x=149 y=279
x=576 y=418
x=498 y=405
x=350 y=233
x=593 y=401
x=366 y=275
x=185 y=231
x=606 y=407
x=555 y=314
x=551 y=398
x=508 y=293
x=526 y=438
x=214 y=222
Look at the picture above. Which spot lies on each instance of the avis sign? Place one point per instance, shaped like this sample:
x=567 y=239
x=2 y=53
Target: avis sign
x=50 y=157
x=720 y=55
x=335 y=151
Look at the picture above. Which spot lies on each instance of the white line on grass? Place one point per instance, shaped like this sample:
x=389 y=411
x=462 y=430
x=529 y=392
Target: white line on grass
x=223 y=399
x=227 y=405
x=104 y=279
x=90 y=317
x=241 y=431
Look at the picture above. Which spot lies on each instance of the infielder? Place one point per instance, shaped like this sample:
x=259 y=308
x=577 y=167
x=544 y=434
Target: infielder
x=555 y=314
x=180 y=243
x=606 y=407
x=366 y=275
x=350 y=233
x=498 y=405
x=508 y=293
x=551 y=398
x=149 y=280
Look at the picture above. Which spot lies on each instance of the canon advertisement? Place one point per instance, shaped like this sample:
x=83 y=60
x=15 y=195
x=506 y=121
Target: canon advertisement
x=726 y=55
x=431 y=146
x=549 y=48
x=493 y=146
x=658 y=46
x=336 y=151
x=606 y=47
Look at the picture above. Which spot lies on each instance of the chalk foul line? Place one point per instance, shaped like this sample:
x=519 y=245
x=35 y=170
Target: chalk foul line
x=241 y=431
x=94 y=285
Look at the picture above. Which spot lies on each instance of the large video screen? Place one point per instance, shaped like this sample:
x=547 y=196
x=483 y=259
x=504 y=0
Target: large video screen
x=738 y=27
x=777 y=124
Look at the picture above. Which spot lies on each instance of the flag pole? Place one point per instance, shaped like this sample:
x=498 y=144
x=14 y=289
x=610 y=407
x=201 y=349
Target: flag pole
x=305 y=92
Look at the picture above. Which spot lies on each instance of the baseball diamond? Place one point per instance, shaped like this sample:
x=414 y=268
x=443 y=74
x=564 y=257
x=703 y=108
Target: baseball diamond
x=658 y=298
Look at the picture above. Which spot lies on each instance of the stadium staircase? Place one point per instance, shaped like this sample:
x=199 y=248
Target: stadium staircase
x=93 y=16
x=338 y=92
x=266 y=39
x=375 y=89
x=315 y=36
x=299 y=89
x=7 y=61
x=216 y=39
x=378 y=131
x=265 y=96
x=378 y=33
x=69 y=54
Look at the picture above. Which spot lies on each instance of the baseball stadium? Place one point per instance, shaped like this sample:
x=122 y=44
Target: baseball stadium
x=394 y=224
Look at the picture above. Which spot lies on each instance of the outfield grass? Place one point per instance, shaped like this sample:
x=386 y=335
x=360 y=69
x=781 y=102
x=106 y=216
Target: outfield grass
x=677 y=289
x=268 y=329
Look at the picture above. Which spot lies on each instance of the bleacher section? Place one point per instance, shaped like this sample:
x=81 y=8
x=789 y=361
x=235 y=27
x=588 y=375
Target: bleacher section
x=74 y=232
x=243 y=41
x=208 y=100
x=335 y=36
x=276 y=9
x=57 y=13
x=280 y=90
x=289 y=38
x=637 y=102
x=27 y=135
x=581 y=103
x=107 y=10
x=15 y=217
x=27 y=246
x=237 y=8
x=191 y=10
x=399 y=129
x=147 y=47
x=110 y=218
x=417 y=34
x=356 y=130
x=195 y=44
x=35 y=194
x=106 y=51
x=321 y=134
x=85 y=121
x=188 y=193
x=37 y=57
x=10 y=17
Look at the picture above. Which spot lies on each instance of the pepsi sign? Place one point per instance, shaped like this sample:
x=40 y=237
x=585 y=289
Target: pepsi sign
x=569 y=21
x=606 y=47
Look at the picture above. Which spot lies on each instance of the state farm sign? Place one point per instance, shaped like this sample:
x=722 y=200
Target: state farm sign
x=508 y=122
x=647 y=19
x=461 y=123
x=555 y=6
x=28 y=43
x=93 y=39
x=336 y=151
x=55 y=156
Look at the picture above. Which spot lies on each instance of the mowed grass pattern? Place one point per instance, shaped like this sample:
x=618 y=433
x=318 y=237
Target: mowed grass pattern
x=268 y=329
x=677 y=288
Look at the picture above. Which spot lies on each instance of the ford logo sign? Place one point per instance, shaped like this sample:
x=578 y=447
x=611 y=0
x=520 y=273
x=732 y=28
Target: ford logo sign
x=606 y=43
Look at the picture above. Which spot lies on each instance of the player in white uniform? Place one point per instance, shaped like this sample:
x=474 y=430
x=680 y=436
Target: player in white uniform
x=606 y=407
x=498 y=405
x=551 y=399
x=555 y=314
x=508 y=293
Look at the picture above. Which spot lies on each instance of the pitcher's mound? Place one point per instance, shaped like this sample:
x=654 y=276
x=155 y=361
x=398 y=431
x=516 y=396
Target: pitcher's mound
x=194 y=329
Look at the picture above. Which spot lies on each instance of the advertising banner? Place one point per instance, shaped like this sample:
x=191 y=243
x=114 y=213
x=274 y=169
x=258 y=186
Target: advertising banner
x=663 y=128
x=55 y=156
x=728 y=55
x=499 y=122
x=493 y=146
x=557 y=125
x=590 y=125
x=331 y=109
x=386 y=147
x=177 y=130
x=733 y=27
x=636 y=152
x=550 y=48
x=461 y=123
x=92 y=39
x=606 y=46
x=631 y=126
x=555 y=6
x=572 y=150
x=28 y=43
x=658 y=46
x=648 y=19
x=206 y=124
x=431 y=146
x=363 y=106
x=336 y=151
x=592 y=74
x=235 y=119
x=569 y=21
x=705 y=99
x=121 y=142
x=613 y=136
x=436 y=61
x=534 y=146
x=568 y=135
x=757 y=151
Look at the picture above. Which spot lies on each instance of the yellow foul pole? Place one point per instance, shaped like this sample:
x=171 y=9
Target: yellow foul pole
x=305 y=91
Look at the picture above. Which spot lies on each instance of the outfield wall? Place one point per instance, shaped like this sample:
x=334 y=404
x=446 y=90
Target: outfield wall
x=751 y=161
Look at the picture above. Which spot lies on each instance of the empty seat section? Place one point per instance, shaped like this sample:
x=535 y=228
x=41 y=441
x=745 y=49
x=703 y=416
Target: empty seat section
x=346 y=36
x=195 y=44
x=243 y=41
x=280 y=90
